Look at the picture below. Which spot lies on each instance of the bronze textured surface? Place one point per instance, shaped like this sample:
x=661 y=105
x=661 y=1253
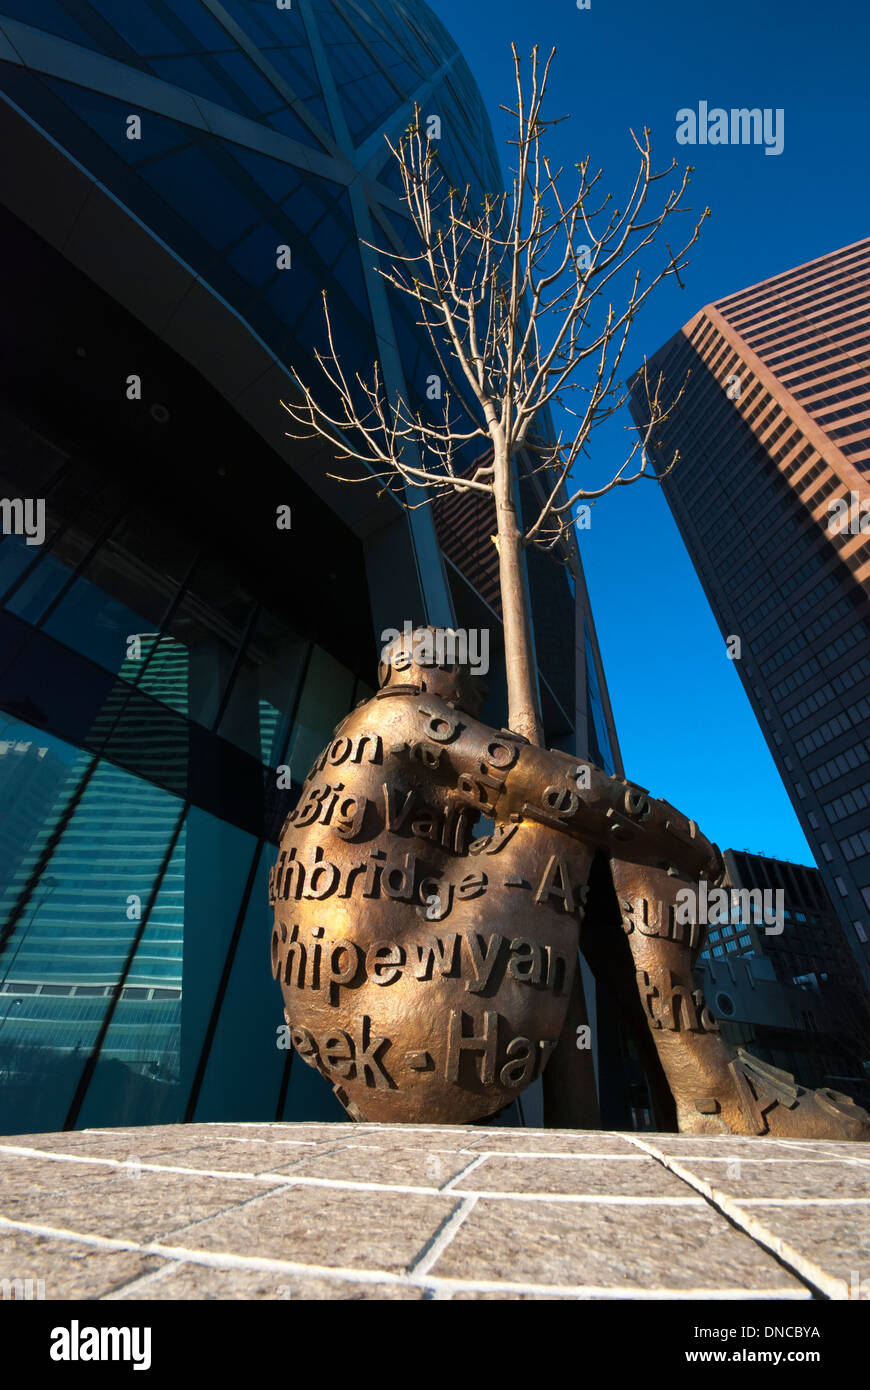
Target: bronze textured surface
x=428 y=974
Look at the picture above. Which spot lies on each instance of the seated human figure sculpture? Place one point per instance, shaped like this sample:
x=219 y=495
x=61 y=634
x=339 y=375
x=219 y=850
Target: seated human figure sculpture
x=427 y=974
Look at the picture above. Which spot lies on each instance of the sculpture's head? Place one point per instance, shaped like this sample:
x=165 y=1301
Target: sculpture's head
x=436 y=659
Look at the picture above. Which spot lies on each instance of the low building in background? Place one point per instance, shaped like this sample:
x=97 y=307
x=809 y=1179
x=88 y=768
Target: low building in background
x=793 y=997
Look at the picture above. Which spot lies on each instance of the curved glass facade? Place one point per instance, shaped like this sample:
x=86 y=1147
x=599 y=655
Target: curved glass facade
x=184 y=180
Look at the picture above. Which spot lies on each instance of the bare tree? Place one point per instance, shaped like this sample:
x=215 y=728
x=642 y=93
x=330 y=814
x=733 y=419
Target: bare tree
x=517 y=296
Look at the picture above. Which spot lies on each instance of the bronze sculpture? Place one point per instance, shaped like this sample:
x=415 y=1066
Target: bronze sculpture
x=427 y=975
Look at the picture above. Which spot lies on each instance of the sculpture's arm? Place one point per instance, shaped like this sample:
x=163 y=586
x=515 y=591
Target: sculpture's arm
x=502 y=776
x=617 y=815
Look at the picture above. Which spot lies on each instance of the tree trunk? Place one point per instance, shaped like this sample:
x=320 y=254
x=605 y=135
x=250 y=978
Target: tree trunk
x=523 y=714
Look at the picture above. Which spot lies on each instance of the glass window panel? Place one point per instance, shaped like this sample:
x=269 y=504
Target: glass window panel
x=246 y=16
x=74 y=931
x=218 y=860
x=199 y=192
x=245 y=1067
x=305 y=206
x=330 y=238
x=108 y=118
x=277 y=179
x=200 y=644
x=259 y=709
x=598 y=726
x=151 y=1051
x=262 y=95
x=195 y=75
x=44 y=583
x=137 y=1079
x=15 y=557
x=286 y=25
x=85 y=504
x=332 y=28
x=51 y=16
x=318 y=109
x=289 y=124
x=38 y=775
x=293 y=288
x=120 y=599
x=348 y=271
x=326 y=699
x=193 y=13
x=139 y=732
x=141 y=28
x=256 y=257
x=309 y=1096
x=297 y=69
x=27 y=461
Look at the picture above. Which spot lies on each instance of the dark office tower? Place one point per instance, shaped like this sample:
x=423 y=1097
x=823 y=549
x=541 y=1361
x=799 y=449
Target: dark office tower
x=181 y=180
x=773 y=431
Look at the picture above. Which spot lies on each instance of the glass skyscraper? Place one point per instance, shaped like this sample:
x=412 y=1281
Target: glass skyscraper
x=181 y=181
x=771 y=495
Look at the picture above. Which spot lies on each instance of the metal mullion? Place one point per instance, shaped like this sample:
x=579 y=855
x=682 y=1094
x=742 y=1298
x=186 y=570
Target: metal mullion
x=229 y=961
x=241 y=648
x=294 y=713
x=47 y=852
x=171 y=609
x=75 y=574
x=134 y=686
x=288 y=1056
x=94 y=1056
x=47 y=549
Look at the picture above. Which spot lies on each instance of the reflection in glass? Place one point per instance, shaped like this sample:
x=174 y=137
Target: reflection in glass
x=245 y=1065
x=198 y=651
x=326 y=699
x=259 y=710
x=100 y=841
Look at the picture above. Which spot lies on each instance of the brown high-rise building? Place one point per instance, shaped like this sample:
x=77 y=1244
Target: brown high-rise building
x=770 y=494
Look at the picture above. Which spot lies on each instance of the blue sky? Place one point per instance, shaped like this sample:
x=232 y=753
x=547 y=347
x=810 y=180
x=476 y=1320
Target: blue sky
x=686 y=728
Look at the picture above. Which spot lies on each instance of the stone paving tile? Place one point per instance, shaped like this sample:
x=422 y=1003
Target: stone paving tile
x=187 y=1146
x=192 y=1281
x=68 y=1268
x=731 y=1146
x=222 y=1155
x=24 y=1178
x=267 y=1133
x=411 y=1167
x=837 y=1239
x=548 y=1141
x=650 y=1247
x=489 y=1296
x=119 y=1144
x=338 y=1228
x=633 y=1176
x=674 y=1240
x=448 y=1139
x=741 y=1177
x=854 y=1151
x=142 y=1208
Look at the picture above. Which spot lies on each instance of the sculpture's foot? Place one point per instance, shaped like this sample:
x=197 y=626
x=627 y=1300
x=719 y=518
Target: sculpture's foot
x=762 y=1100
